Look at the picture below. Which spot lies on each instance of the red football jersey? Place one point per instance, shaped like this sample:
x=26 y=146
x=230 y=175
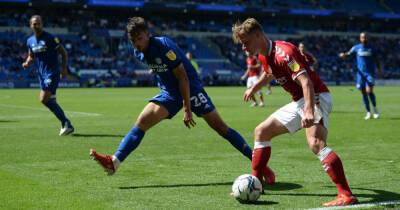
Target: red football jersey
x=252 y=61
x=286 y=64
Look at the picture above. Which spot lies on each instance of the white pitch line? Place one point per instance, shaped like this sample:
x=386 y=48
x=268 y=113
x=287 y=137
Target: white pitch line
x=365 y=205
x=41 y=109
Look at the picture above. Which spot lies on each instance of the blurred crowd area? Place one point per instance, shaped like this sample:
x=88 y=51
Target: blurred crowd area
x=100 y=54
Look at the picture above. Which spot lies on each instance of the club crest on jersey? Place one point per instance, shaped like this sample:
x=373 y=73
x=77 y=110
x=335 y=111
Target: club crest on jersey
x=294 y=66
x=171 y=55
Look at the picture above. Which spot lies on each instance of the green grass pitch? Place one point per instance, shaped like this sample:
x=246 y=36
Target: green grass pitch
x=178 y=168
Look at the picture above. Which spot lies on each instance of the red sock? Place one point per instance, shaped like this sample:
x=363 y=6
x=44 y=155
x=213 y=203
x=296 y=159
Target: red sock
x=260 y=160
x=333 y=166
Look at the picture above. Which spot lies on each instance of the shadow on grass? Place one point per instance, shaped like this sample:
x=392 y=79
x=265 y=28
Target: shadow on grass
x=8 y=121
x=281 y=186
x=394 y=118
x=256 y=203
x=176 y=185
x=379 y=196
x=346 y=112
x=95 y=135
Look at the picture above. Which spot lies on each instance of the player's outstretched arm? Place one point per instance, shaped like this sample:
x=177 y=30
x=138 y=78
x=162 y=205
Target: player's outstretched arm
x=28 y=61
x=64 y=59
x=346 y=54
x=180 y=74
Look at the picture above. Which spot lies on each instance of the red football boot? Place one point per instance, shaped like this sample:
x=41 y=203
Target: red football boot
x=104 y=160
x=342 y=200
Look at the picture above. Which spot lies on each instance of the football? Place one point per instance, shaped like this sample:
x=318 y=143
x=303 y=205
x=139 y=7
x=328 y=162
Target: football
x=246 y=188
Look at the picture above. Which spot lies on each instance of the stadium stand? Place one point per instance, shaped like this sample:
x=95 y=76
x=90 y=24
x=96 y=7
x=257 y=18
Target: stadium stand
x=100 y=54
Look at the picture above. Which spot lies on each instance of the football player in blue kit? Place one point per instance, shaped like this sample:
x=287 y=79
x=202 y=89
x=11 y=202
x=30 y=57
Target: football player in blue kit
x=43 y=49
x=180 y=87
x=367 y=61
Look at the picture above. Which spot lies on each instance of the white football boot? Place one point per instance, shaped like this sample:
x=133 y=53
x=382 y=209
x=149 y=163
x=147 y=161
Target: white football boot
x=367 y=116
x=67 y=129
x=376 y=114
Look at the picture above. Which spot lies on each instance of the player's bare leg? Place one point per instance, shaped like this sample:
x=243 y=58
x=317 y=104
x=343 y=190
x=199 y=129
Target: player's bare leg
x=215 y=121
x=316 y=138
x=263 y=135
x=261 y=99
x=151 y=115
x=269 y=90
x=254 y=104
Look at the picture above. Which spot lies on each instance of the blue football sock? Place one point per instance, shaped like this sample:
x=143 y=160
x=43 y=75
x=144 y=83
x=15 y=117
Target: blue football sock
x=366 y=102
x=130 y=142
x=372 y=98
x=239 y=143
x=57 y=110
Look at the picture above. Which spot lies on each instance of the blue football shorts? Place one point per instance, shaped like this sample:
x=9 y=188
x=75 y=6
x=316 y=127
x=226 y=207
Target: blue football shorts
x=364 y=80
x=49 y=82
x=200 y=102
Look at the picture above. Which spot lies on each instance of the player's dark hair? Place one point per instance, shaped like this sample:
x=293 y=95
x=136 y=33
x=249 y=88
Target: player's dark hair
x=136 y=25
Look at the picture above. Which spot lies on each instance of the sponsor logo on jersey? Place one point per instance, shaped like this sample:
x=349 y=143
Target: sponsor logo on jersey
x=364 y=53
x=39 y=47
x=159 y=68
x=171 y=55
x=294 y=66
x=56 y=40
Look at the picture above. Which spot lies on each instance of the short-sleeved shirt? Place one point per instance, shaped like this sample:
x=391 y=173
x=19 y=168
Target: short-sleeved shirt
x=44 y=49
x=365 y=56
x=163 y=56
x=286 y=64
x=252 y=61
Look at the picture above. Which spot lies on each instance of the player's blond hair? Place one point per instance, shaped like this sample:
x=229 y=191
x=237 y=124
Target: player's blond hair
x=136 y=25
x=246 y=27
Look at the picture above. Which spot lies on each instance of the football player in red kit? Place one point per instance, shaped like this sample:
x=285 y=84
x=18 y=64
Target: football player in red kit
x=252 y=73
x=309 y=109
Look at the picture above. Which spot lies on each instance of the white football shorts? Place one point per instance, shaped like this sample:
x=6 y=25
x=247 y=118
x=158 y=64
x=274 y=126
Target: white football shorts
x=251 y=81
x=291 y=114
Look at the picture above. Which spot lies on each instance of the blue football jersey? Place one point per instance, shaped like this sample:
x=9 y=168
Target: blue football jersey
x=365 y=58
x=44 y=49
x=163 y=56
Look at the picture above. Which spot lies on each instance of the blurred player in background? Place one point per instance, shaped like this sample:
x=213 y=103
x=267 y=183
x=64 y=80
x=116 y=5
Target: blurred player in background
x=44 y=48
x=367 y=61
x=310 y=108
x=180 y=86
x=252 y=73
x=308 y=57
